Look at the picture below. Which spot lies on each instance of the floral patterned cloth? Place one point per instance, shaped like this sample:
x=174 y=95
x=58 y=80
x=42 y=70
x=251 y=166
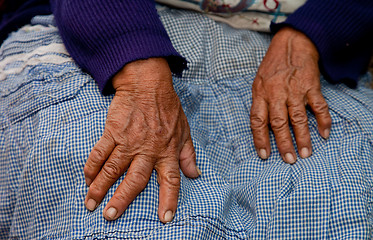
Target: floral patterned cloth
x=241 y=14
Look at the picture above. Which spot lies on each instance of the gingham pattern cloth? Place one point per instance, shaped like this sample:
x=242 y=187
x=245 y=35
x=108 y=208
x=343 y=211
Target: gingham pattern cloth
x=52 y=114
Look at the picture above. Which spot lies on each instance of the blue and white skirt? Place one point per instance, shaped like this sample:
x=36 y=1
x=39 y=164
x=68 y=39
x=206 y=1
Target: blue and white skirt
x=52 y=114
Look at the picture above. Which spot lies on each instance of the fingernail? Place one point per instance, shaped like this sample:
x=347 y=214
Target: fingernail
x=168 y=216
x=199 y=171
x=88 y=181
x=326 y=133
x=304 y=152
x=111 y=213
x=263 y=154
x=91 y=204
x=289 y=158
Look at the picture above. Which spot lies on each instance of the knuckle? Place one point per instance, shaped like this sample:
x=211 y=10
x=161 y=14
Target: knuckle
x=120 y=152
x=113 y=123
x=257 y=122
x=298 y=117
x=96 y=157
x=320 y=106
x=171 y=178
x=137 y=179
x=278 y=123
x=284 y=145
x=120 y=196
x=112 y=170
x=88 y=171
x=258 y=84
x=326 y=121
x=96 y=192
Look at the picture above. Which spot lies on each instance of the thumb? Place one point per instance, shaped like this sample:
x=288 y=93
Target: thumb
x=188 y=160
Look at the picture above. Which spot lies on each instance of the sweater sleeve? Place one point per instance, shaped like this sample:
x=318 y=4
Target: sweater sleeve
x=17 y=13
x=342 y=32
x=103 y=36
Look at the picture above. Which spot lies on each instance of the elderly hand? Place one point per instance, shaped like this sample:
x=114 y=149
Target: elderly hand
x=145 y=129
x=288 y=79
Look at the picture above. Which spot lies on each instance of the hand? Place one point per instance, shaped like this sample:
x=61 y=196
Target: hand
x=288 y=79
x=145 y=129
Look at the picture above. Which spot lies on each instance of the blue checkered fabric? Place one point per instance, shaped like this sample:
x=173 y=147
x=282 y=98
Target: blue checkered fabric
x=52 y=114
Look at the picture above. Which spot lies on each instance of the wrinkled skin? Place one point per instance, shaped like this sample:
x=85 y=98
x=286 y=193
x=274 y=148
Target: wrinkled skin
x=145 y=129
x=288 y=80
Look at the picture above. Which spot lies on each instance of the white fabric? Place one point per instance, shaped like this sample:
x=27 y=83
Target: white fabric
x=243 y=14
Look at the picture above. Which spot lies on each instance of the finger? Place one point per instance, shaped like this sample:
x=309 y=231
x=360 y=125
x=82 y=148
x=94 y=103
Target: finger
x=169 y=185
x=135 y=181
x=299 y=121
x=321 y=110
x=99 y=154
x=188 y=160
x=278 y=116
x=113 y=169
x=259 y=127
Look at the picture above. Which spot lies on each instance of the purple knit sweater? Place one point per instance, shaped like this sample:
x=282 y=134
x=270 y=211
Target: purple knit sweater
x=102 y=36
x=342 y=32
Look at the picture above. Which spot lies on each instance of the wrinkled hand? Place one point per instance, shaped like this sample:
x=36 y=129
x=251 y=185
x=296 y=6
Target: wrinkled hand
x=145 y=129
x=288 y=80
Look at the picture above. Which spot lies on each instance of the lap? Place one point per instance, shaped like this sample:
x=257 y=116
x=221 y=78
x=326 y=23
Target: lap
x=53 y=113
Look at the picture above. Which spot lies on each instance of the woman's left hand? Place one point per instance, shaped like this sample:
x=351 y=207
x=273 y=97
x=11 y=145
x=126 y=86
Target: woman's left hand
x=287 y=81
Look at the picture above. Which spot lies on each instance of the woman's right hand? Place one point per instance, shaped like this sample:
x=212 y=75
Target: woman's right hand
x=145 y=129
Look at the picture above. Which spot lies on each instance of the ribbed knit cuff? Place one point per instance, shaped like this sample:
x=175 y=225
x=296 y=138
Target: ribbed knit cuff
x=103 y=36
x=342 y=33
x=115 y=53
